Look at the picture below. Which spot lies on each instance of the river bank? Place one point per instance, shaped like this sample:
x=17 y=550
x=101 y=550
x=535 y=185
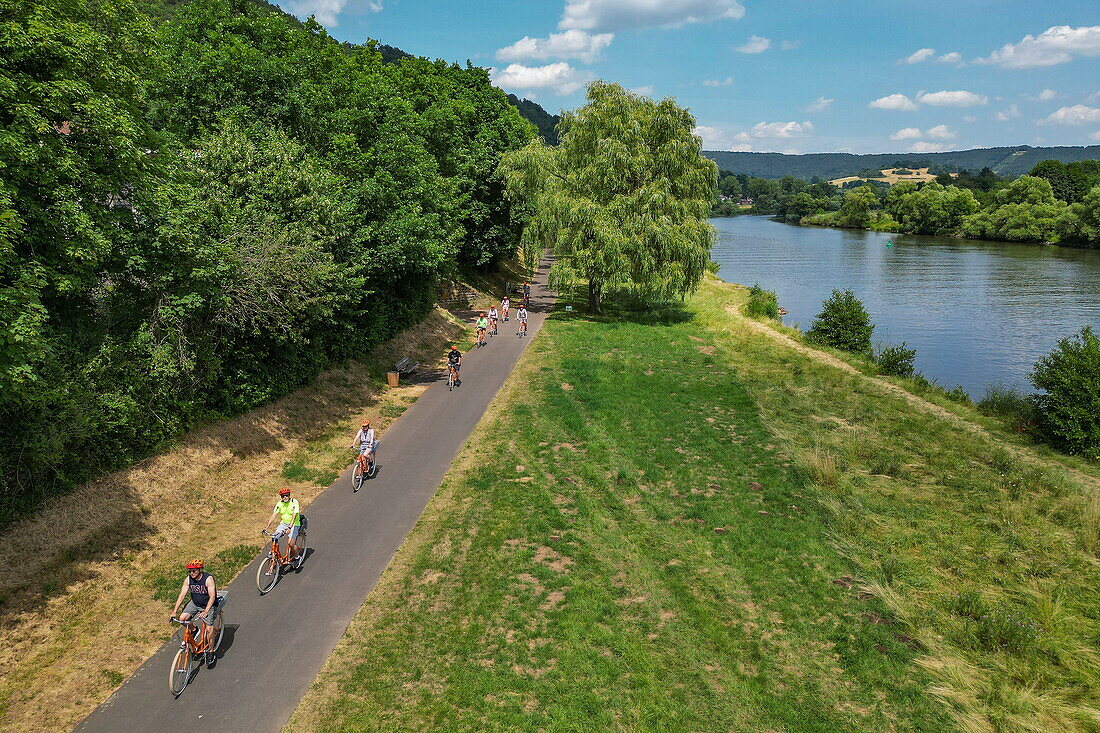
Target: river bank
x=684 y=519
x=979 y=314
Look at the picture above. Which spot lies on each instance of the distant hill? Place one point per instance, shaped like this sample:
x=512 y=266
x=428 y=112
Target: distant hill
x=539 y=117
x=1009 y=161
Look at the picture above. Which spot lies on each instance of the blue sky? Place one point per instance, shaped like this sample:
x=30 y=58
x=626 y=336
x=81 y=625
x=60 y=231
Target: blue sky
x=781 y=75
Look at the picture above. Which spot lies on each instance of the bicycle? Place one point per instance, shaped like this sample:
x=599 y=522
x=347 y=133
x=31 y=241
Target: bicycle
x=522 y=329
x=452 y=378
x=493 y=328
x=481 y=338
x=193 y=645
x=272 y=566
x=359 y=474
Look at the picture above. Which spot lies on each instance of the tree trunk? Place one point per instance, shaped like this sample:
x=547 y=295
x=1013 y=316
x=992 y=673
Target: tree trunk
x=595 y=294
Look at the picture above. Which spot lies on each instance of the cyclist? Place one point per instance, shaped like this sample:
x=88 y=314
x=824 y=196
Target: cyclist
x=521 y=314
x=494 y=316
x=505 y=304
x=364 y=442
x=482 y=325
x=202 y=604
x=526 y=294
x=290 y=521
x=454 y=363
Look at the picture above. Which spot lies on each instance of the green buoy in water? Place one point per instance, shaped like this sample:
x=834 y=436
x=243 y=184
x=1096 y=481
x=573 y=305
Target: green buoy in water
x=889 y=244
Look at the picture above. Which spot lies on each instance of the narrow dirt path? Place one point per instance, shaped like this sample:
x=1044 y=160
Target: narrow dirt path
x=916 y=401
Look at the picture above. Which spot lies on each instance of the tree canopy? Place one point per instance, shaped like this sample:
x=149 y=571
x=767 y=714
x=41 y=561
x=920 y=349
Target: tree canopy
x=623 y=200
x=201 y=210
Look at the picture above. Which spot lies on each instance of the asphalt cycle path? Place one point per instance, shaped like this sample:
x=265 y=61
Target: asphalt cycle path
x=275 y=644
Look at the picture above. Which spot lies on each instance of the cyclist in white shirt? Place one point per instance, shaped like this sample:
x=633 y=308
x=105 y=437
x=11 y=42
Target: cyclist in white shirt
x=493 y=317
x=364 y=443
x=521 y=314
x=505 y=304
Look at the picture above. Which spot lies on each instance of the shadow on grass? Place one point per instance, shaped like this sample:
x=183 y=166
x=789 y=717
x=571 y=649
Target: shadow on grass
x=653 y=314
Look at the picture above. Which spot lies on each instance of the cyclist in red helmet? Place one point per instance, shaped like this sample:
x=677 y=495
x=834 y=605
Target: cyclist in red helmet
x=204 y=595
x=288 y=512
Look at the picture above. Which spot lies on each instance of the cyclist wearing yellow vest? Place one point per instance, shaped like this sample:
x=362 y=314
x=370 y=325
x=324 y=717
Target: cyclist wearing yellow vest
x=287 y=511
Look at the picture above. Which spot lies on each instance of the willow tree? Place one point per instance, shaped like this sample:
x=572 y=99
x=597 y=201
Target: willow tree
x=623 y=200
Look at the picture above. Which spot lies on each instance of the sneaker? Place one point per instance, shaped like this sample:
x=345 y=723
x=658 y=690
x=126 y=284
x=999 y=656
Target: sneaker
x=296 y=558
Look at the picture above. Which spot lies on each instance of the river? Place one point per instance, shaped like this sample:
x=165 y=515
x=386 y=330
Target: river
x=977 y=313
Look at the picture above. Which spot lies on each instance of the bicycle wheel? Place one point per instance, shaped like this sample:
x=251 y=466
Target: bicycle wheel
x=180 y=672
x=264 y=581
x=356 y=477
x=301 y=551
x=218 y=633
x=373 y=469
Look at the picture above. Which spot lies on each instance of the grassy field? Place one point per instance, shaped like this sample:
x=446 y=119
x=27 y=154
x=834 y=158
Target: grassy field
x=688 y=522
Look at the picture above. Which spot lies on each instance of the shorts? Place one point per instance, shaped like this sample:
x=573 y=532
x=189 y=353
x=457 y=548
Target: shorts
x=456 y=367
x=283 y=526
x=194 y=609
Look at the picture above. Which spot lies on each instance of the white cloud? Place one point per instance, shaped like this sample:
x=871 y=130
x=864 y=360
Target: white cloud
x=1056 y=45
x=954 y=57
x=1095 y=135
x=755 y=44
x=615 y=15
x=820 y=104
x=646 y=91
x=324 y=10
x=918 y=56
x=970 y=118
x=790 y=45
x=571 y=44
x=1046 y=95
x=895 y=102
x=782 y=129
x=1078 y=114
x=715 y=138
x=923 y=147
x=1011 y=113
x=791 y=151
x=958 y=98
x=718 y=82
x=940 y=132
x=906 y=133
x=560 y=77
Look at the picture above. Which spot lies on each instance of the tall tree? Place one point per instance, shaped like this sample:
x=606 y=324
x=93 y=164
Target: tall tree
x=624 y=198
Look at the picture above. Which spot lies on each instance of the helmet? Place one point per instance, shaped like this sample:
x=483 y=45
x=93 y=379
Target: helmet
x=195 y=565
x=454 y=347
x=285 y=491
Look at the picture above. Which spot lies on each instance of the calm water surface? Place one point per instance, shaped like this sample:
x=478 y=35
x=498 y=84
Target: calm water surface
x=978 y=313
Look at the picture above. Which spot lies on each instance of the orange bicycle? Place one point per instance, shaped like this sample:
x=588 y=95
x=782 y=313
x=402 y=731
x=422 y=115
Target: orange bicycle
x=200 y=641
x=267 y=575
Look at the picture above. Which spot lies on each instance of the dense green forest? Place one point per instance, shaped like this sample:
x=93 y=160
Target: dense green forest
x=1012 y=161
x=201 y=209
x=1055 y=202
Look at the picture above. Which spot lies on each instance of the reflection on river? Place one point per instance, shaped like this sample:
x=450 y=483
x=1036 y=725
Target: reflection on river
x=978 y=313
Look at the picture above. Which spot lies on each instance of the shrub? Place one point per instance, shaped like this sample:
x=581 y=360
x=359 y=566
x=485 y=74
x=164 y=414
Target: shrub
x=843 y=323
x=1010 y=405
x=896 y=361
x=762 y=303
x=1068 y=410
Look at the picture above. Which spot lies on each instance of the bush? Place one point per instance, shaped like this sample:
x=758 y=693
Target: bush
x=896 y=361
x=1068 y=410
x=762 y=303
x=1009 y=404
x=843 y=323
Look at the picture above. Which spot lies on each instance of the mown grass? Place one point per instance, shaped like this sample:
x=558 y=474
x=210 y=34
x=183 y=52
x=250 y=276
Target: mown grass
x=628 y=545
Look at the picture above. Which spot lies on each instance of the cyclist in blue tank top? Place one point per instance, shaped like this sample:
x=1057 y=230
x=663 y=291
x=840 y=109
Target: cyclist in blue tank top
x=203 y=591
